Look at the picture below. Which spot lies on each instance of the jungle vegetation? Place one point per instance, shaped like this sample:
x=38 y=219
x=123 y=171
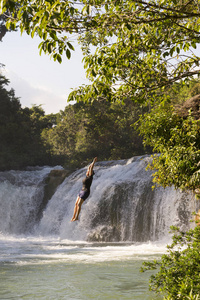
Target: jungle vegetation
x=71 y=137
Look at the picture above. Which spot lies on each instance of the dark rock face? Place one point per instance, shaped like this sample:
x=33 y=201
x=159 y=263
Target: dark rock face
x=192 y=104
x=53 y=180
x=51 y=183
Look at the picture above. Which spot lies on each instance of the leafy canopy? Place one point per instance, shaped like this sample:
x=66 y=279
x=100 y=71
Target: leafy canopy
x=104 y=129
x=178 y=141
x=131 y=48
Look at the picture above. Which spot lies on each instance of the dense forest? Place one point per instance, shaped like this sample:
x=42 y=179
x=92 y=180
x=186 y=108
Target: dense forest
x=70 y=137
x=20 y=132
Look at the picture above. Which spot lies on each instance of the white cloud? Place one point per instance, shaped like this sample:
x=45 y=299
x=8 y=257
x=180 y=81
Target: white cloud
x=37 y=79
x=30 y=94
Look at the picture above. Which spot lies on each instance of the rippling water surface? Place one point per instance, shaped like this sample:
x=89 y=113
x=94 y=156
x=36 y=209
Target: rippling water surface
x=38 y=268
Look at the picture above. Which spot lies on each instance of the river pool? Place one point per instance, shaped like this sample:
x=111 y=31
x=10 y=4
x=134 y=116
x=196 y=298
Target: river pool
x=39 y=268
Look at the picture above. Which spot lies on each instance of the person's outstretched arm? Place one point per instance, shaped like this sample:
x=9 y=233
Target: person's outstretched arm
x=90 y=168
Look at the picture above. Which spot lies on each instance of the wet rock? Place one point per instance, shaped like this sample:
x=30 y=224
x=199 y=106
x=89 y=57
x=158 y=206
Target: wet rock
x=104 y=234
x=52 y=181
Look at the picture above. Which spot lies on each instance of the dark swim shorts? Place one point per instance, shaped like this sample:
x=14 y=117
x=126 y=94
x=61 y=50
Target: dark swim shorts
x=83 y=194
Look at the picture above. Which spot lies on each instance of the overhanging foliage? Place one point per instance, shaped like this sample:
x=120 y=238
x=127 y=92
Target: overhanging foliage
x=177 y=140
x=140 y=46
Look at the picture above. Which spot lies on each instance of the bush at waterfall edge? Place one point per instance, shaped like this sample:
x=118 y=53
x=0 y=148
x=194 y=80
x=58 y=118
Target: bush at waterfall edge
x=179 y=270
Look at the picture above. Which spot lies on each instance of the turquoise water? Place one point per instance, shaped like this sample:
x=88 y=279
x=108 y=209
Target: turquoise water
x=34 y=268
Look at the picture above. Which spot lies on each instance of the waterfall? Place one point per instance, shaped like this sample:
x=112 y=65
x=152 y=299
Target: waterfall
x=21 y=197
x=121 y=207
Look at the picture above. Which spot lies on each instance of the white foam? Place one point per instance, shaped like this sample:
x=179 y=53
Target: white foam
x=32 y=250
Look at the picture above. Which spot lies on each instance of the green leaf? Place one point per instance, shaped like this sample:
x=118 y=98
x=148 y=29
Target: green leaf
x=93 y=72
x=44 y=35
x=70 y=46
x=55 y=56
x=59 y=58
x=68 y=53
x=50 y=47
x=194 y=45
x=129 y=26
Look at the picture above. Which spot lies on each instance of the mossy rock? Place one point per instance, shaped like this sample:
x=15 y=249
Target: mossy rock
x=192 y=104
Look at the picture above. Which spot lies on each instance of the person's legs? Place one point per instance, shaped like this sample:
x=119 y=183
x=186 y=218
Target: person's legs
x=79 y=204
x=77 y=208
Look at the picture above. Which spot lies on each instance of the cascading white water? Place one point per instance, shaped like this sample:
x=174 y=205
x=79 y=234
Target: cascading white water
x=21 y=195
x=122 y=205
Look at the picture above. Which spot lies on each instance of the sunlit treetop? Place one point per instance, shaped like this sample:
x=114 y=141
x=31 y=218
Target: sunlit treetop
x=131 y=48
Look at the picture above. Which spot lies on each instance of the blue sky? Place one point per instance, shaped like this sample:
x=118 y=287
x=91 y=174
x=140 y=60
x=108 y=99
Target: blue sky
x=38 y=79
